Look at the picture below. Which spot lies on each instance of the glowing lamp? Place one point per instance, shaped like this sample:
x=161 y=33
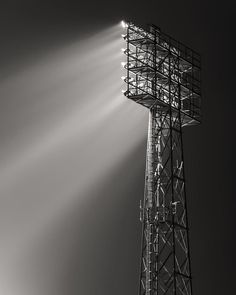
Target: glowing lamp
x=124 y=24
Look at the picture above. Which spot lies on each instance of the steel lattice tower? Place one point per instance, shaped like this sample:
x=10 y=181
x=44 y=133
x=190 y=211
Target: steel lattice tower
x=164 y=76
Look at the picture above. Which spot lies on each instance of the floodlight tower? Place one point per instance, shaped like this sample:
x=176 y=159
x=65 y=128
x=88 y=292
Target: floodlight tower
x=164 y=76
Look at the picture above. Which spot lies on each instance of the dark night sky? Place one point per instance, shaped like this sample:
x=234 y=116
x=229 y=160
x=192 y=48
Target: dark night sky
x=28 y=30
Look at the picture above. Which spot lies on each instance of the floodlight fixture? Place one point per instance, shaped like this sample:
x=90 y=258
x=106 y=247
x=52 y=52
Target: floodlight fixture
x=124 y=24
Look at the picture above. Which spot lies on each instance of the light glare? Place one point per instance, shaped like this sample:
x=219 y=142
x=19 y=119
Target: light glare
x=124 y=25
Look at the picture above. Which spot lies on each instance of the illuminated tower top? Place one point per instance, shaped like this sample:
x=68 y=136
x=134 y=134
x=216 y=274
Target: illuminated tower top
x=162 y=72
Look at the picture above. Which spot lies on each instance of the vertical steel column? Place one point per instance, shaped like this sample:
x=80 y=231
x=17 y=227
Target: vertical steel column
x=165 y=264
x=148 y=233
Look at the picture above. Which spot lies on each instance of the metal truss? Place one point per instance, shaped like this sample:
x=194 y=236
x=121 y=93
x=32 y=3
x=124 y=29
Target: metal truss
x=164 y=76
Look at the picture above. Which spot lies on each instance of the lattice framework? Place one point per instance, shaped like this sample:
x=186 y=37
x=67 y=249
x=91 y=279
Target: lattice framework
x=164 y=76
